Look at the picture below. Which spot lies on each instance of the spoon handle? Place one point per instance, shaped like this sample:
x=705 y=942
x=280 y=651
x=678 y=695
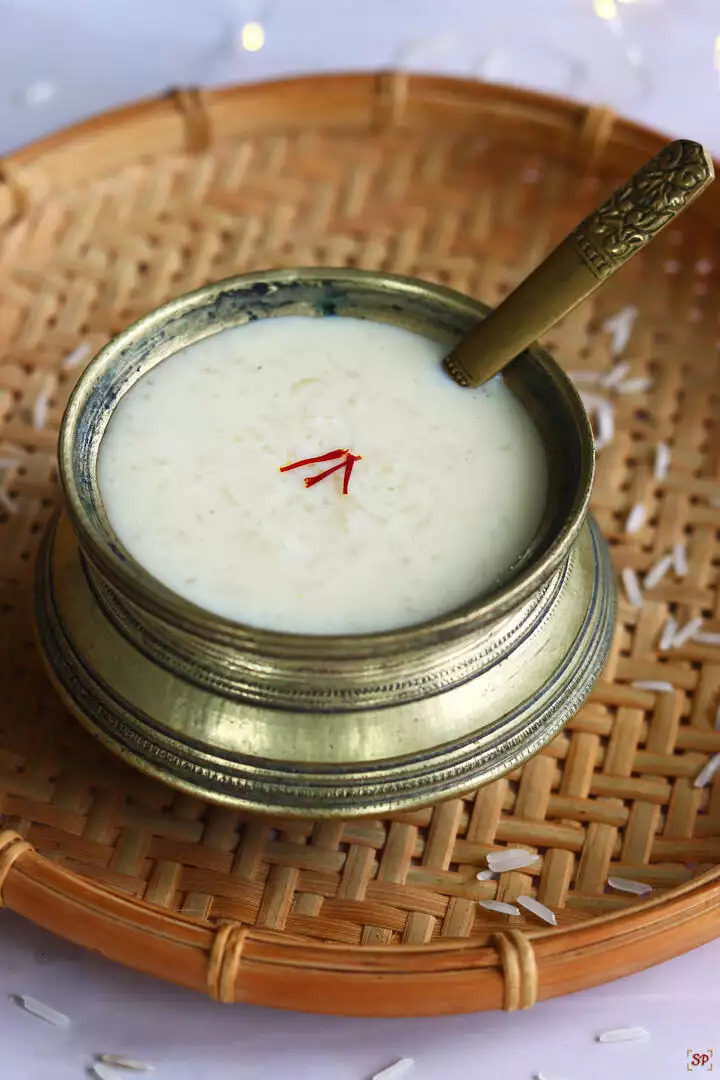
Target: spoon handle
x=594 y=250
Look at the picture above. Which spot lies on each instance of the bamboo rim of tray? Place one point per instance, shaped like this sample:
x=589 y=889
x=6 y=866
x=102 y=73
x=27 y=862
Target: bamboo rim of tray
x=465 y=977
x=514 y=967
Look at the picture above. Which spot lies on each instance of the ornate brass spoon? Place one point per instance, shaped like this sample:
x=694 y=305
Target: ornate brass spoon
x=594 y=250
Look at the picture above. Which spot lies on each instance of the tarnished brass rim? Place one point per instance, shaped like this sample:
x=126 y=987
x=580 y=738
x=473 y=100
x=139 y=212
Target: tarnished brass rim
x=232 y=301
x=334 y=790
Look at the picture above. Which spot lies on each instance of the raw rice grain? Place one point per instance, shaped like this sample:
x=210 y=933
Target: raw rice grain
x=686 y=632
x=541 y=910
x=75 y=357
x=118 y=1061
x=704 y=777
x=627 y=885
x=628 y=1034
x=398 y=1068
x=657 y=686
x=500 y=906
x=657 y=572
x=620 y=327
x=661 y=464
x=632 y=587
x=511 y=859
x=40 y=411
x=680 y=562
x=635 y=519
x=39 y=1009
x=667 y=637
x=616 y=376
x=7 y=503
x=641 y=385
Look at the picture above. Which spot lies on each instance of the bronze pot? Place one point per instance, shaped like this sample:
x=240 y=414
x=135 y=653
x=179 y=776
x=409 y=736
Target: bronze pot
x=308 y=725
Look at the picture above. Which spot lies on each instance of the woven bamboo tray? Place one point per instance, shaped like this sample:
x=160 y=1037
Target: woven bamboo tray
x=455 y=182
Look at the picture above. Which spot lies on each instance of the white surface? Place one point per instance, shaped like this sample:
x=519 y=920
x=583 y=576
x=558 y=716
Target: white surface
x=188 y=1037
x=63 y=59
x=211 y=426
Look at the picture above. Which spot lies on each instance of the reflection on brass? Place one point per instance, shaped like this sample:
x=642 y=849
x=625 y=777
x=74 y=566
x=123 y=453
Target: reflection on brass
x=322 y=726
x=599 y=246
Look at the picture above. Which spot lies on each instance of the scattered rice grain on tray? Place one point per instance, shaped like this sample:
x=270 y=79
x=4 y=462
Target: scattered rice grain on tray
x=603 y=411
x=39 y=1009
x=641 y=385
x=500 y=906
x=680 y=562
x=635 y=519
x=657 y=572
x=661 y=464
x=15 y=452
x=75 y=357
x=9 y=463
x=7 y=502
x=667 y=637
x=632 y=587
x=620 y=327
x=118 y=1061
x=511 y=859
x=486 y=875
x=706 y=637
x=592 y=401
x=606 y=425
x=40 y=411
x=707 y=772
x=656 y=686
x=616 y=376
x=628 y=1034
x=541 y=910
x=398 y=1068
x=686 y=632
x=587 y=378
x=637 y=888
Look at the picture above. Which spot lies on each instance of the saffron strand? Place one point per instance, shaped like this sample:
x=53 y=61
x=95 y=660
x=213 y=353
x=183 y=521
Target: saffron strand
x=314 y=460
x=347 y=464
x=310 y=481
x=351 y=459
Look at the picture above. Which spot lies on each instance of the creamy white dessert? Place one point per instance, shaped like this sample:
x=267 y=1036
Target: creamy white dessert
x=447 y=491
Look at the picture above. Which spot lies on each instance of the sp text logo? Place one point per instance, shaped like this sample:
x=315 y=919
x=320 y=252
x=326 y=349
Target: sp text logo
x=699 y=1059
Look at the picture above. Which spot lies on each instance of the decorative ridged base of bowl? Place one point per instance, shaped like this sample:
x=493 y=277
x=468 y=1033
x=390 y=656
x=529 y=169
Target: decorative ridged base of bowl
x=451 y=181
x=133 y=705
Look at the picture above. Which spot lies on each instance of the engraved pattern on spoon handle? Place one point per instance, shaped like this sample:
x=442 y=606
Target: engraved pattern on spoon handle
x=637 y=211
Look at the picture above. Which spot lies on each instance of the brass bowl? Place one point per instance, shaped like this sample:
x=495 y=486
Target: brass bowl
x=308 y=725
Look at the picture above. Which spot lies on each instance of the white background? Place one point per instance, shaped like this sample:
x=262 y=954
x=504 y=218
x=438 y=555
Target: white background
x=61 y=60
x=655 y=61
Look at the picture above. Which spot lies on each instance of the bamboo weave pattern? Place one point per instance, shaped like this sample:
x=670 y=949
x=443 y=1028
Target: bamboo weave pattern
x=83 y=255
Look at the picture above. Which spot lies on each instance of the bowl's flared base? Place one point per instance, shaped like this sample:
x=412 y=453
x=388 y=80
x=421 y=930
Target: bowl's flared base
x=200 y=742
